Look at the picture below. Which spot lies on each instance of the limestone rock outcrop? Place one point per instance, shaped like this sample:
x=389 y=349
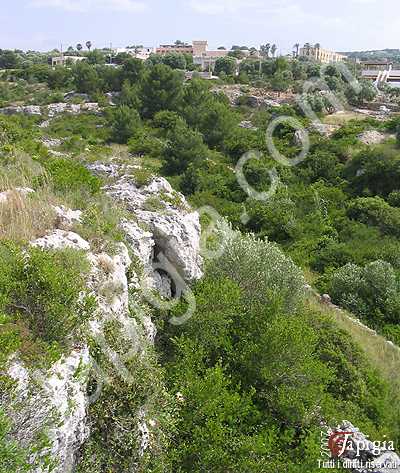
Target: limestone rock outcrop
x=165 y=225
x=51 y=110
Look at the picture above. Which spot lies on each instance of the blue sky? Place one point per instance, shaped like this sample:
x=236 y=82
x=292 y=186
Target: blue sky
x=339 y=25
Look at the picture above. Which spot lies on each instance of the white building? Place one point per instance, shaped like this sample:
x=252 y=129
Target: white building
x=142 y=53
x=321 y=55
x=204 y=58
x=64 y=60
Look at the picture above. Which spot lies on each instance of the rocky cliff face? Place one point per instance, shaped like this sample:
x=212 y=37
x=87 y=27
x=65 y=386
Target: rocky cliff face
x=164 y=225
x=163 y=236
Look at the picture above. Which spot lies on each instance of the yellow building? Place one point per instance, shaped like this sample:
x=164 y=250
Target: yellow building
x=321 y=55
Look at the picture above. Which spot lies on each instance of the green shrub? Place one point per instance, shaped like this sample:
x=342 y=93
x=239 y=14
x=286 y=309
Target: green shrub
x=371 y=292
x=376 y=212
x=71 y=177
x=41 y=298
x=125 y=123
x=12 y=457
x=260 y=269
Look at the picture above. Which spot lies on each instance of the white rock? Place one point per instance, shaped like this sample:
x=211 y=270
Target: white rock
x=141 y=241
x=112 y=170
x=68 y=396
x=109 y=280
x=59 y=239
x=177 y=236
x=51 y=142
x=22 y=191
x=175 y=231
x=18 y=372
x=58 y=108
x=54 y=402
x=67 y=216
x=372 y=137
x=144 y=432
x=26 y=110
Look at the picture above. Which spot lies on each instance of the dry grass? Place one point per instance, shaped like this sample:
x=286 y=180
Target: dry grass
x=23 y=218
x=382 y=355
x=106 y=264
x=342 y=118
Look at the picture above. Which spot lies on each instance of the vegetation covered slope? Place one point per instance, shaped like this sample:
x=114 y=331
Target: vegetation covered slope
x=248 y=381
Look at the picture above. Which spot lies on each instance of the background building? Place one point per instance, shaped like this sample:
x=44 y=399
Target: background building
x=204 y=58
x=140 y=52
x=321 y=55
x=182 y=48
x=63 y=60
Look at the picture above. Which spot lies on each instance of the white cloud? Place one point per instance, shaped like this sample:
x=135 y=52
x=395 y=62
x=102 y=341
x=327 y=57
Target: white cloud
x=216 y=7
x=87 y=5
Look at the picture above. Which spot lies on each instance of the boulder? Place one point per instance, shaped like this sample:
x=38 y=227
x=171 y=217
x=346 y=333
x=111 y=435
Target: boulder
x=372 y=137
x=60 y=239
x=66 y=218
x=19 y=191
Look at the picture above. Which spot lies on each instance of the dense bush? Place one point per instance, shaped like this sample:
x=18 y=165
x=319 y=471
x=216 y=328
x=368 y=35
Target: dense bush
x=12 y=456
x=125 y=123
x=260 y=269
x=41 y=298
x=372 y=292
x=376 y=212
x=248 y=375
x=72 y=178
x=374 y=172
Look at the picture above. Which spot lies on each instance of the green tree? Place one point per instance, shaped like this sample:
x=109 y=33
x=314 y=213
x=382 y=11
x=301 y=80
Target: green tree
x=125 y=122
x=366 y=93
x=184 y=146
x=129 y=96
x=162 y=89
x=96 y=57
x=86 y=78
x=8 y=59
x=281 y=80
x=175 y=61
x=226 y=65
x=132 y=70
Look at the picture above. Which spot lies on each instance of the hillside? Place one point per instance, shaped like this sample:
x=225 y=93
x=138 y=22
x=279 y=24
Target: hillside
x=375 y=55
x=157 y=315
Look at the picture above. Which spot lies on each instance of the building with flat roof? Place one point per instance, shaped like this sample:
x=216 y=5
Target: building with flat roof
x=142 y=52
x=321 y=55
x=204 y=58
x=63 y=60
x=182 y=48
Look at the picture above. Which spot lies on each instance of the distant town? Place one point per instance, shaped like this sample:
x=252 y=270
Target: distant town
x=203 y=57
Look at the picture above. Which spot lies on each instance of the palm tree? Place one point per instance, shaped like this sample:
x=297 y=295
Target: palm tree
x=265 y=48
x=307 y=48
x=89 y=45
x=273 y=50
x=79 y=47
x=296 y=47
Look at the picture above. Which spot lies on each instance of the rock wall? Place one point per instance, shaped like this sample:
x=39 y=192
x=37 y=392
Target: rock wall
x=51 y=110
x=56 y=400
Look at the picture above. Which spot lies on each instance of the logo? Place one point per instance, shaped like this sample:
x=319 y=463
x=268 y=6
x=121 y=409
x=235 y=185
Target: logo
x=353 y=450
x=339 y=443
